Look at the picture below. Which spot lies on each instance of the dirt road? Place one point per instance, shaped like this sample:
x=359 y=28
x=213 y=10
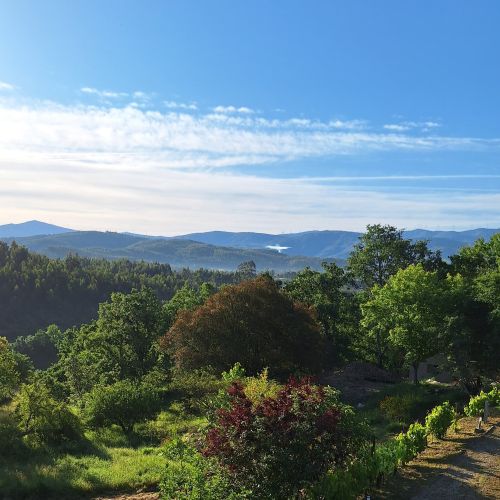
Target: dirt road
x=464 y=466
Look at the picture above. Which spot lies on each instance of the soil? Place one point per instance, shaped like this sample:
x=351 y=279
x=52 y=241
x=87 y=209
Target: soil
x=464 y=466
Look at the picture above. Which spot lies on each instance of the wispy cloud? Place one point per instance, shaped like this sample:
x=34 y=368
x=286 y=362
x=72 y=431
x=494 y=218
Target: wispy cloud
x=176 y=139
x=409 y=125
x=180 y=105
x=233 y=109
x=6 y=86
x=109 y=94
x=128 y=168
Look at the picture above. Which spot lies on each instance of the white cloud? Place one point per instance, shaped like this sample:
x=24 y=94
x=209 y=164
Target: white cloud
x=233 y=109
x=180 y=105
x=125 y=168
x=408 y=125
x=104 y=93
x=6 y=86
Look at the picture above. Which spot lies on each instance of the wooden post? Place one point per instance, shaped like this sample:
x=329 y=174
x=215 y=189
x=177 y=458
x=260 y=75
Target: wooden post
x=486 y=410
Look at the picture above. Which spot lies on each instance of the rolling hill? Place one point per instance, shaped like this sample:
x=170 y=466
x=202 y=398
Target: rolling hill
x=218 y=249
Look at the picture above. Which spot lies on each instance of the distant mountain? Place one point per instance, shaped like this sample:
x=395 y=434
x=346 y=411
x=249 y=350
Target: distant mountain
x=336 y=244
x=219 y=249
x=30 y=228
x=176 y=252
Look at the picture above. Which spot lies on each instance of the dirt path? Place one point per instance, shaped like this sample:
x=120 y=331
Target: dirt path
x=464 y=466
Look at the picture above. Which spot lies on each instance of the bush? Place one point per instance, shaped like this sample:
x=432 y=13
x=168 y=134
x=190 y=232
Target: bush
x=440 y=419
x=259 y=388
x=400 y=408
x=476 y=404
x=411 y=443
x=284 y=442
x=123 y=403
x=10 y=435
x=190 y=475
x=43 y=419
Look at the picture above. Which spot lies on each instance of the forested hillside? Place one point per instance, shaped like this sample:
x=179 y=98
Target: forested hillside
x=36 y=291
x=178 y=253
x=229 y=392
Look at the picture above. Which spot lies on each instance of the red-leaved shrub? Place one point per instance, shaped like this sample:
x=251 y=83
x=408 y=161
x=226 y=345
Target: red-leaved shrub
x=285 y=442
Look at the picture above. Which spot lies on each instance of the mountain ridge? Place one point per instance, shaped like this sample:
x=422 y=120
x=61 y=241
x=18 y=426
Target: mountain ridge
x=220 y=249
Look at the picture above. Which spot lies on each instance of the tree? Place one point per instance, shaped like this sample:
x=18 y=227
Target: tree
x=252 y=323
x=187 y=298
x=9 y=376
x=247 y=270
x=42 y=418
x=127 y=331
x=123 y=403
x=327 y=292
x=382 y=251
x=410 y=311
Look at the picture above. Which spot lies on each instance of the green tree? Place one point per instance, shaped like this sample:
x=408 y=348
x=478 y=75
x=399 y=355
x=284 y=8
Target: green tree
x=9 y=375
x=382 y=251
x=328 y=293
x=42 y=418
x=186 y=298
x=410 y=310
x=128 y=328
x=123 y=403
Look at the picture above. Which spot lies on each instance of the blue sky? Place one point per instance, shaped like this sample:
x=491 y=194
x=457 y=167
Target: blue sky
x=171 y=117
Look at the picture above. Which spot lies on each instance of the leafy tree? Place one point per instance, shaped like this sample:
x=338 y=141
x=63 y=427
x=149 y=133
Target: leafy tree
x=410 y=309
x=247 y=270
x=123 y=403
x=128 y=327
x=9 y=375
x=253 y=323
x=382 y=251
x=187 y=298
x=328 y=293
x=42 y=418
x=41 y=347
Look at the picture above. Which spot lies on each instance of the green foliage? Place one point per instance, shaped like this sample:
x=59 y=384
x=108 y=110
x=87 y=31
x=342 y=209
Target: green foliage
x=411 y=443
x=42 y=419
x=123 y=403
x=10 y=434
x=9 y=376
x=260 y=387
x=401 y=408
x=476 y=404
x=327 y=292
x=382 y=251
x=440 y=419
x=36 y=291
x=189 y=475
x=411 y=307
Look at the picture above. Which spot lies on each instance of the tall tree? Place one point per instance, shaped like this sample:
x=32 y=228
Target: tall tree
x=382 y=251
x=253 y=323
x=411 y=310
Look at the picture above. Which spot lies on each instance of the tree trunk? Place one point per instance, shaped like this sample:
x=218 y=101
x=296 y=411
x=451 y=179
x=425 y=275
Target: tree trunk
x=415 y=373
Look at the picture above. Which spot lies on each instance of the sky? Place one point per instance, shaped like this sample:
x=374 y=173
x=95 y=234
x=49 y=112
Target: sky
x=169 y=117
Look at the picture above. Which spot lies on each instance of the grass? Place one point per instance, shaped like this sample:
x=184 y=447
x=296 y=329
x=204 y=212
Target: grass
x=108 y=461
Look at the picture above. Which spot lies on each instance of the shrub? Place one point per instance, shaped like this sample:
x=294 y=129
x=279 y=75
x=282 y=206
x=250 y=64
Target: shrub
x=411 y=443
x=399 y=408
x=10 y=435
x=259 y=388
x=476 y=404
x=284 y=442
x=440 y=419
x=123 y=403
x=43 y=419
x=190 y=475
